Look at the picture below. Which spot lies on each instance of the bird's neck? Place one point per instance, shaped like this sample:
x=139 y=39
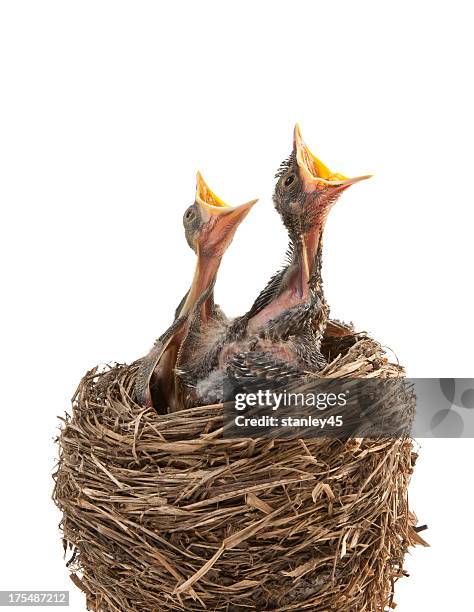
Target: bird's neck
x=204 y=277
x=301 y=278
x=303 y=273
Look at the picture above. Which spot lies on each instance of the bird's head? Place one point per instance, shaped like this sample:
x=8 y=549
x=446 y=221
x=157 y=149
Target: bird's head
x=210 y=223
x=306 y=189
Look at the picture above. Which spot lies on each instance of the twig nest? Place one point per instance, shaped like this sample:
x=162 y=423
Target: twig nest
x=160 y=513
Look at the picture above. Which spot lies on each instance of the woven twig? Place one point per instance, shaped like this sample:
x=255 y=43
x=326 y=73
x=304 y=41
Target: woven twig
x=160 y=514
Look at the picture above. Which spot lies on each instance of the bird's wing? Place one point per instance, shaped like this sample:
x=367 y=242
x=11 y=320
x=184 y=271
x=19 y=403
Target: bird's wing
x=180 y=305
x=253 y=371
x=144 y=374
x=272 y=288
x=202 y=313
x=268 y=293
x=150 y=361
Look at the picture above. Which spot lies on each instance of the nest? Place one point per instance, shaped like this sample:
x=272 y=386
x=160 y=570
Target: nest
x=161 y=513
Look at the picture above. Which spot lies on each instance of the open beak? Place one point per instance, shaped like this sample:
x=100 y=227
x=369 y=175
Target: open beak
x=209 y=203
x=317 y=175
x=221 y=220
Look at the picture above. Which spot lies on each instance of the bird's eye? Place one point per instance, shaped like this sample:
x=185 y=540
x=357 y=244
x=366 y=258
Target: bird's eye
x=290 y=179
x=189 y=214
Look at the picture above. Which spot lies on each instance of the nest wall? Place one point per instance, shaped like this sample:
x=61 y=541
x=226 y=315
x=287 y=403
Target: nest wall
x=162 y=513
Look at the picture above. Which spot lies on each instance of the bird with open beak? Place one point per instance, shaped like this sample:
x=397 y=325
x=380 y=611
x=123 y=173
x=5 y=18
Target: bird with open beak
x=210 y=225
x=280 y=336
x=290 y=315
x=305 y=192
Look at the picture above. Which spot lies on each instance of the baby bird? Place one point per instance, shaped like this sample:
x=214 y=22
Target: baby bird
x=291 y=312
x=304 y=194
x=279 y=338
x=210 y=225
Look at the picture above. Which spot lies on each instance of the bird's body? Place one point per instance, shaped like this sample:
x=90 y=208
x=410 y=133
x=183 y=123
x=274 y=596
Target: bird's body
x=226 y=354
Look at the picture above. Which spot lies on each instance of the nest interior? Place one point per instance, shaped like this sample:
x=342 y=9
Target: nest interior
x=162 y=513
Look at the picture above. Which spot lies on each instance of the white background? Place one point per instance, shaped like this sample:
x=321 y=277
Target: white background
x=107 y=109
